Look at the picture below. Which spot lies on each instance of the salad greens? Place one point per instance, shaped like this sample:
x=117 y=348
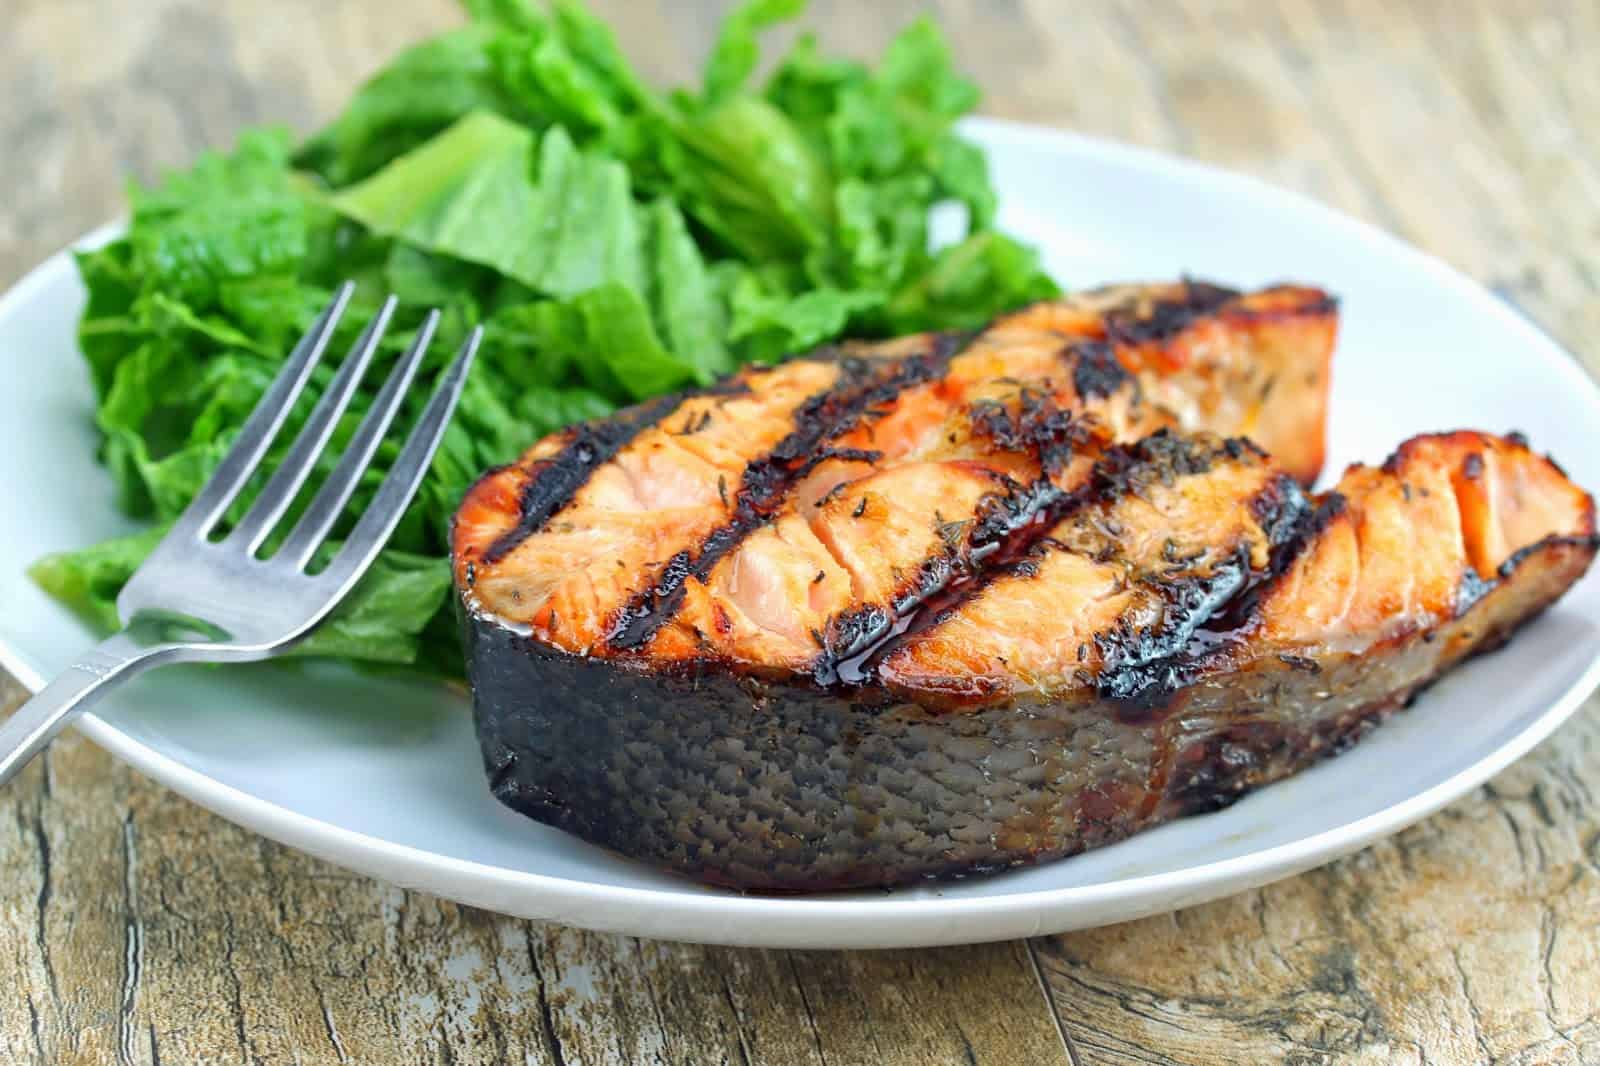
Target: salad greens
x=615 y=241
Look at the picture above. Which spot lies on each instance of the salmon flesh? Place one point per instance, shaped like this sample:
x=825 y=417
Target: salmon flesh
x=956 y=603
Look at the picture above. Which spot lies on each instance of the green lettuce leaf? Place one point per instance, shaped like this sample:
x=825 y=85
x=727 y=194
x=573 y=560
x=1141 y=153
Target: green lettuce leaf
x=768 y=326
x=561 y=224
x=89 y=579
x=232 y=216
x=684 y=296
x=958 y=291
x=423 y=90
x=568 y=71
x=738 y=49
x=613 y=240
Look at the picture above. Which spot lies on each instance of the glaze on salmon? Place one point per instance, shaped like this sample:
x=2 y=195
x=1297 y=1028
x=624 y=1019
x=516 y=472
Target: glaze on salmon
x=954 y=604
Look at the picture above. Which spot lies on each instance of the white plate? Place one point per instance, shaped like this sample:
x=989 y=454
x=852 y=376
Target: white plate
x=384 y=777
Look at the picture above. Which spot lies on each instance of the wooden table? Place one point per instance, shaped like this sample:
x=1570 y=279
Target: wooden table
x=140 y=929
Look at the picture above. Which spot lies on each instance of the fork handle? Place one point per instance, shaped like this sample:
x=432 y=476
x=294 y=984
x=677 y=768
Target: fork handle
x=36 y=723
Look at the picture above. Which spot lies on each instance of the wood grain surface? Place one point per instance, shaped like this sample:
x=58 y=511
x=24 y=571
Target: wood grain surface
x=137 y=928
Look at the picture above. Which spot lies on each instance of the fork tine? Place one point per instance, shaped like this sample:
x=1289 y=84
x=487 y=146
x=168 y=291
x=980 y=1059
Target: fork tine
x=331 y=498
x=280 y=489
x=263 y=425
x=375 y=526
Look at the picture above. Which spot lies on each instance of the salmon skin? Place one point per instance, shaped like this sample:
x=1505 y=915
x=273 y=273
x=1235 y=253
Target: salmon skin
x=961 y=603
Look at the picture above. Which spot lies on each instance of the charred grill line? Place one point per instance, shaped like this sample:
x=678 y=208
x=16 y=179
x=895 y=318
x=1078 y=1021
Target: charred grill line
x=560 y=478
x=1163 y=456
x=1164 y=319
x=767 y=480
x=1472 y=589
x=1039 y=426
x=1293 y=522
x=1324 y=305
x=1007 y=528
x=849 y=455
x=998 y=541
x=1142 y=668
x=998 y=537
x=1205 y=613
x=1590 y=542
x=1096 y=371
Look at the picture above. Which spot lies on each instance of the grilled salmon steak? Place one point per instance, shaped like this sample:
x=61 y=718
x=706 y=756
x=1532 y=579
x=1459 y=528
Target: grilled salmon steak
x=958 y=603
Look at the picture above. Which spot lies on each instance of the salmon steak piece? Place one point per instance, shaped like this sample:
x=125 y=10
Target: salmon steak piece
x=953 y=604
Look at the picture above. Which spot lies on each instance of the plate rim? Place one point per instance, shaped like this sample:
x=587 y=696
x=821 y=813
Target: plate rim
x=691 y=913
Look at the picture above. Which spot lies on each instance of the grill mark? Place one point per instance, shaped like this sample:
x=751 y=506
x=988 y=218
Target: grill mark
x=560 y=477
x=1469 y=590
x=1472 y=587
x=1206 y=616
x=1164 y=319
x=1039 y=426
x=1294 y=523
x=849 y=455
x=999 y=537
x=767 y=480
x=1583 y=542
x=1142 y=669
x=1139 y=667
x=1316 y=306
x=1096 y=372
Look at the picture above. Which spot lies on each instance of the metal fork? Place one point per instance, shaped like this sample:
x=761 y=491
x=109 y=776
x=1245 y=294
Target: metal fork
x=198 y=599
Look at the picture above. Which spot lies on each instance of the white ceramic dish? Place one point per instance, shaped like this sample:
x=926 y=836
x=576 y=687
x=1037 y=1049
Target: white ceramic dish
x=383 y=776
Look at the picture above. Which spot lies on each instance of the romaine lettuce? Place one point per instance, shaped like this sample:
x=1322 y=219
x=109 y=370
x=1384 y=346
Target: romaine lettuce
x=615 y=242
